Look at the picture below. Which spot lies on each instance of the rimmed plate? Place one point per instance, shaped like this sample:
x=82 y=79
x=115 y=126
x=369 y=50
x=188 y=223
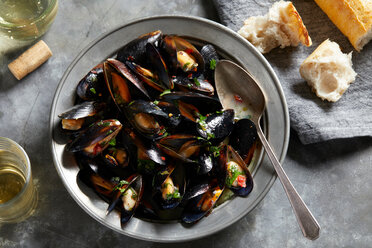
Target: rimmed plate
x=231 y=45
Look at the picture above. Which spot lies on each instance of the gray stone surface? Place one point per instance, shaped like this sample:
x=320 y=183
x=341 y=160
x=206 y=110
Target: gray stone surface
x=332 y=177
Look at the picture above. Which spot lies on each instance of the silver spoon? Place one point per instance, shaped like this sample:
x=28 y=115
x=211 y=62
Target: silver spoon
x=234 y=84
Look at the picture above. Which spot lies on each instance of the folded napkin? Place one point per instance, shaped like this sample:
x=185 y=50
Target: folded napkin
x=314 y=120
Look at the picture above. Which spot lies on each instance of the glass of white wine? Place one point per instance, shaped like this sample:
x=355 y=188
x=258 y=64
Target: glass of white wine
x=26 y=19
x=18 y=196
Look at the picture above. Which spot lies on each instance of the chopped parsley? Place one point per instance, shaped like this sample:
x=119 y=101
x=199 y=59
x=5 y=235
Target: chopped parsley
x=93 y=90
x=112 y=142
x=215 y=150
x=120 y=185
x=196 y=81
x=103 y=124
x=212 y=64
x=164 y=173
x=167 y=91
x=186 y=65
x=175 y=195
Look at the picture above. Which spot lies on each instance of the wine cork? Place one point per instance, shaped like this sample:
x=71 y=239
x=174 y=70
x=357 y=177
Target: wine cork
x=31 y=59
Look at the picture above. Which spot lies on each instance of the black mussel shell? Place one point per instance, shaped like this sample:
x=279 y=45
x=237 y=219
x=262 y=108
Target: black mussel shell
x=99 y=184
x=95 y=138
x=204 y=104
x=159 y=66
x=144 y=117
x=170 y=178
x=235 y=172
x=202 y=204
x=82 y=110
x=181 y=146
x=173 y=114
x=205 y=163
x=136 y=49
x=196 y=84
x=77 y=116
x=216 y=126
x=244 y=139
x=92 y=86
x=209 y=53
x=183 y=46
x=127 y=73
x=147 y=149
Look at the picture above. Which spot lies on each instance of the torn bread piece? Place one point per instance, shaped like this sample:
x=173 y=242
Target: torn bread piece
x=281 y=26
x=352 y=17
x=328 y=71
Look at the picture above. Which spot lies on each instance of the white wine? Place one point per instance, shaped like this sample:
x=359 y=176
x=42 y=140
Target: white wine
x=18 y=197
x=11 y=182
x=26 y=19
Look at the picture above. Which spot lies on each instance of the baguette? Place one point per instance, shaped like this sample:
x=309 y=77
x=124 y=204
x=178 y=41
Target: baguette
x=281 y=26
x=352 y=17
x=328 y=71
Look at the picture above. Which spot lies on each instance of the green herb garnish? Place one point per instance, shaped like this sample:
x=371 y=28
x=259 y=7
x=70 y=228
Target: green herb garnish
x=196 y=81
x=186 y=65
x=120 y=184
x=167 y=91
x=212 y=64
x=215 y=150
x=175 y=195
x=112 y=142
x=93 y=90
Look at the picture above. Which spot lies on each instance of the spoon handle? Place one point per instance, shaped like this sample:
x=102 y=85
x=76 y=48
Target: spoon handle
x=308 y=224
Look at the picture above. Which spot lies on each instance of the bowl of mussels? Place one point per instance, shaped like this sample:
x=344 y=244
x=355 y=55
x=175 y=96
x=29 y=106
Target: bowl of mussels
x=140 y=138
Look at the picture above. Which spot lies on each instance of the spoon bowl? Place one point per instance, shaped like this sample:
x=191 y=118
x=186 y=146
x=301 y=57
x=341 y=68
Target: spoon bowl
x=250 y=102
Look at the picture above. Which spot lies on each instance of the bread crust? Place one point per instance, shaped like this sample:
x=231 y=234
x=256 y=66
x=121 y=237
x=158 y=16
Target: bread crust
x=281 y=26
x=352 y=17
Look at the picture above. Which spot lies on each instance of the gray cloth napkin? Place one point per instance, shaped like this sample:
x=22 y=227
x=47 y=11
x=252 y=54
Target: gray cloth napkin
x=313 y=119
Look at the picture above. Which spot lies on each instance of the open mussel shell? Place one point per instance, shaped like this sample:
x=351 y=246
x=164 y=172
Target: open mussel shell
x=204 y=104
x=147 y=151
x=159 y=66
x=196 y=84
x=127 y=73
x=234 y=172
x=92 y=86
x=217 y=126
x=122 y=84
x=74 y=118
x=145 y=118
x=127 y=196
x=181 y=146
x=117 y=157
x=187 y=56
x=99 y=184
x=244 y=139
x=170 y=185
x=131 y=200
x=202 y=202
x=136 y=49
x=95 y=138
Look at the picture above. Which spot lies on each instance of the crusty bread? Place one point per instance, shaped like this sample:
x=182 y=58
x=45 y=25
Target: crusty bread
x=328 y=71
x=352 y=17
x=281 y=26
